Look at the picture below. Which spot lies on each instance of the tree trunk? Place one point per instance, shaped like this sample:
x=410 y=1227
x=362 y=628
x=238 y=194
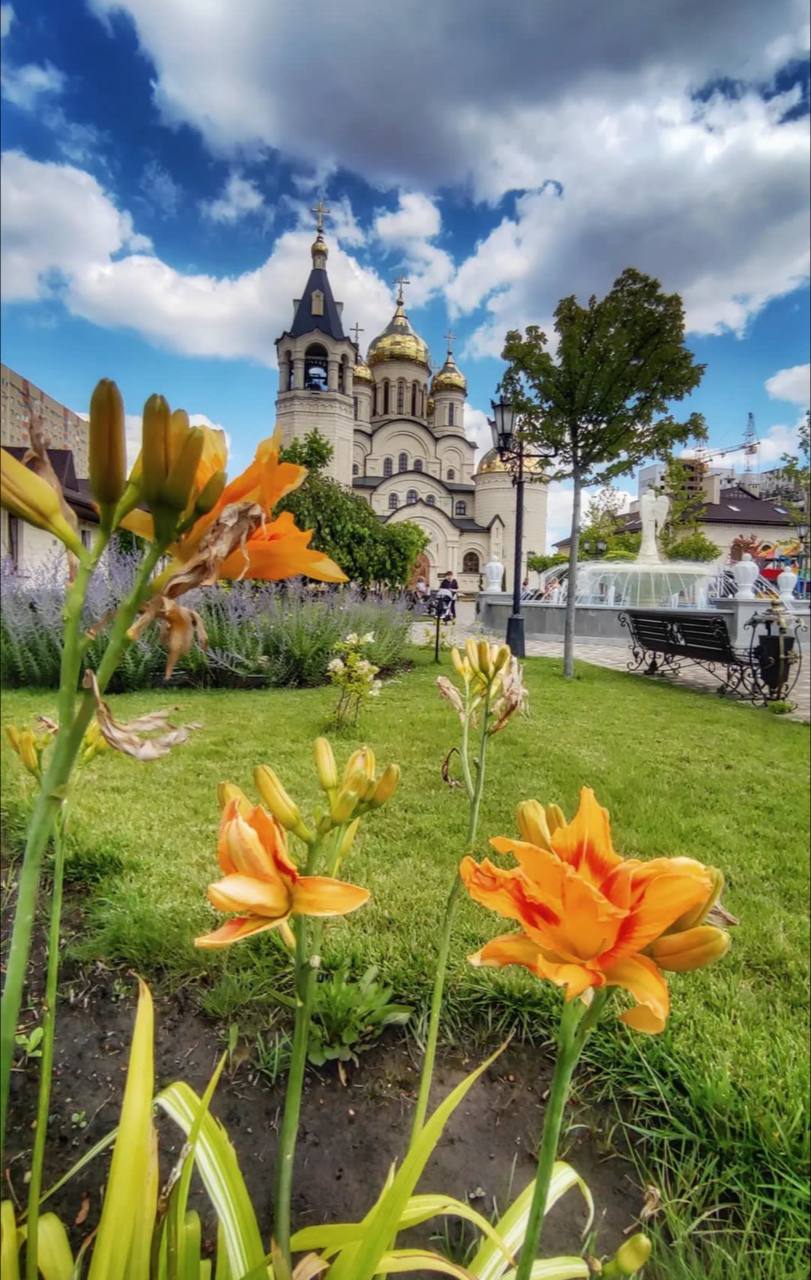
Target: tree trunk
x=571 y=589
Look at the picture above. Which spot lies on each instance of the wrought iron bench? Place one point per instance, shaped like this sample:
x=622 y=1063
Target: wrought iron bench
x=664 y=641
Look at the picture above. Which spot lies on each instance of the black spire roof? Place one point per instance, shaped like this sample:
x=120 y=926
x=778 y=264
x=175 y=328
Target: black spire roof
x=305 y=322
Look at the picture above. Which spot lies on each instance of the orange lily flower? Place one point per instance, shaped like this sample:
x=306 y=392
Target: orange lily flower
x=278 y=549
x=262 y=884
x=587 y=915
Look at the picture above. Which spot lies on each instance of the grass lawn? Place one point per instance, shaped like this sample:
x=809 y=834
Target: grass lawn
x=715 y=1108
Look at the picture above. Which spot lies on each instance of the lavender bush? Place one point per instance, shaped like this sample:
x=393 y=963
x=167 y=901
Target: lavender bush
x=259 y=634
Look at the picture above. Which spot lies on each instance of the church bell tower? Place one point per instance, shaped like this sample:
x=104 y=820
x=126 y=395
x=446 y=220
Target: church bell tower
x=316 y=360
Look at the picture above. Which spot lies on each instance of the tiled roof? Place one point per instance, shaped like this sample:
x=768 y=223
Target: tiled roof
x=737 y=505
x=305 y=322
x=77 y=492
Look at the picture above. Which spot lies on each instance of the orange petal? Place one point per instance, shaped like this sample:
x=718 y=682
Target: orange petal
x=541 y=866
x=235 y=929
x=508 y=948
x=244 y=893
x=589 y=922
x=323 y=896
x=280 y=550
x=576 y=978
x=274 y=839
x=139 y=522
x=644 y=980
x=504 y=891
x=244 y=850
x=663 y=899
x=585 y=842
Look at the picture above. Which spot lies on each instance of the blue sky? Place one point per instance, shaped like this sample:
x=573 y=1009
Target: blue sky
x=160 y=160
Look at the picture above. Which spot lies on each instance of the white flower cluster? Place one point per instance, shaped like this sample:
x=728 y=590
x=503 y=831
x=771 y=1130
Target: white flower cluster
x=353 y=674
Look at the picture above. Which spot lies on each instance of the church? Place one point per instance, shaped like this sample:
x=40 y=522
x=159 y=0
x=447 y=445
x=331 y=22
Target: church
x=398 y=433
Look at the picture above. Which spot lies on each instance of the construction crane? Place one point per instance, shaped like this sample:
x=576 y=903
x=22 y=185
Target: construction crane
x=750 y=446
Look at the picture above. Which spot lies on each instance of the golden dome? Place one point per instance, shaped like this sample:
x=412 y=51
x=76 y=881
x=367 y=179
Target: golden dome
x=362 y=373
x=319 y=246
x=492 y=462
x=450 y=377
x=398 y=341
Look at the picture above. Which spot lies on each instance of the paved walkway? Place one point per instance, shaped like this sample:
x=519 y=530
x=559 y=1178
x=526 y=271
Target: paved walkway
x=617 y=656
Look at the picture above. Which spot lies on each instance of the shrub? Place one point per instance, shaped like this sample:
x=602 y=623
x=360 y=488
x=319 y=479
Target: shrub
x=259 y=634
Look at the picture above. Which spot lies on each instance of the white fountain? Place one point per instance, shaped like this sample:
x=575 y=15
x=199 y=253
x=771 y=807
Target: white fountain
x=649 y=581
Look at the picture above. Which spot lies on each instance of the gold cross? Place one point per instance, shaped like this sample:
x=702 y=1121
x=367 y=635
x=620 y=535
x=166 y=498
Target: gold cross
x=356 y=329
x=320 y=210
x=449 y=337
x=400 y=281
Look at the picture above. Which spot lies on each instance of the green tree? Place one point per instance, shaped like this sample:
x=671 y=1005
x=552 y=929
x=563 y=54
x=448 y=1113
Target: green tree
x=693 y=546
x=797 y=472
x=603 y=512
x=686 y=504
x=313 y=451
x=601 y=404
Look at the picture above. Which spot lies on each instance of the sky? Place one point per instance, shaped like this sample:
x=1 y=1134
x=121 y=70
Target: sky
x=161 y=159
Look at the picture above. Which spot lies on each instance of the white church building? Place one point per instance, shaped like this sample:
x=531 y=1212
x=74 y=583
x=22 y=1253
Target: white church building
x=398 y=433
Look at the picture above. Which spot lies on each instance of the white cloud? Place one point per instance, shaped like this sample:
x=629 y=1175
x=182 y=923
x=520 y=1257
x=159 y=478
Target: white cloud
x=6 y=19
x=559 y=509
x=64 y=236
x=27 y=85
x=708 y=193
x=791 y=384
x=417 y=218
x=241 y=197
x=408 y=231
x=159 y=189
x=476 y=428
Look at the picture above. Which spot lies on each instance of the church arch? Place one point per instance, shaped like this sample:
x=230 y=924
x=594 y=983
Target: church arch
x=430 y=498
x=451 y=474
x=402 y=461
x=388 y=466
x=418 y=464
x=412 y=496
x=315 y=367
x=394 y=501
x=401 y=396
x=470 y=562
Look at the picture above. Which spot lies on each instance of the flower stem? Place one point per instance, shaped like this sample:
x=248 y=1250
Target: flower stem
x=46 y=1064
x=421 y=1108
x=53 y=791
x=574 y=1028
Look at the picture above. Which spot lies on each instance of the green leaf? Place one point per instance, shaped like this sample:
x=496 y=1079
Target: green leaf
x=410 y=1259
x=146 y=1215
x=488 y=1264
x=128 y=1169
x=9 y=1243
x=556 y=1269
x=96 y=1150
x=54 y=1256
x=176 y=1213
x=360 y=1262
x=219 y=1169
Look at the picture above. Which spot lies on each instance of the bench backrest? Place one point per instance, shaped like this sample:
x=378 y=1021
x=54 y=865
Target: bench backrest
x=698 y=635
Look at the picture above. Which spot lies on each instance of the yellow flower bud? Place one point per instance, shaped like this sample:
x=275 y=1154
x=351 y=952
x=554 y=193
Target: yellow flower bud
x=630 y=1257
x=360 y=762
x=179 y=428
x=345 y=803
x=108 y=448
x=386 y=786
x=155 y=451
x=462 y=666
x=28 y=752
x=180 y=481
x=485 y=665
x=228 y=791
x=325 y=765
x=13 y=735
x=27 y=495
x=348 y=839
x=472 y=651
x=698 y=914
x=502 y=657
x=278 y=801
x=690 y=949
x=210 y=494
x=531 y=819
x=555 y=818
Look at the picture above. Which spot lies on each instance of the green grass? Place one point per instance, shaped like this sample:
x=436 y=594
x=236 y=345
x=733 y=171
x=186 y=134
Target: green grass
x=715 y=1108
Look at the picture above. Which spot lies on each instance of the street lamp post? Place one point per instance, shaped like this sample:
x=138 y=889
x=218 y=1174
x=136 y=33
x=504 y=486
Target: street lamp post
x=509 y=445
x=803 y=558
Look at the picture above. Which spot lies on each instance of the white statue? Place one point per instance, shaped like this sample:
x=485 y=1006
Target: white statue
x=653 y=509
x=493 y=575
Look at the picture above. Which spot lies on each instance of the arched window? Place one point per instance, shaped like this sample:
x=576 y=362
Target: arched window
x=355 y=407
x=355 y=469
x=470 y=562
x=451 y=408
x=411 y=496
x=401 y=396
x=315 y=368
x=451 y=474
x=461 y=508
x=342 y=367
x=290 y=371
x=418 y=464
x=402 y=462
x=394 y=502
x=388 y=466
x=413 y=399
x=431 y=500
x=386 y=396
x=317 y=303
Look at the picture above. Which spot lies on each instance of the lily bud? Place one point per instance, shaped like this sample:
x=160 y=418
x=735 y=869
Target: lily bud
x=361 y=762
x=630 y=1257
x=28 y=752
x=279 y=802
x=229 y=791
x=27 y=495
x=345 y=803
x=210 y=494
x=690 y=949
x=108 y=448
x=462 y=665
x=502 y=657
x=530 y=817
x=13 y=735
x=472 y=651
x=485 y=665
x=348 y=840
x=325 y=765
x=699 y=914
x=180 y=481
x=155 y=449
x=555 y=818
x=387 y=785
